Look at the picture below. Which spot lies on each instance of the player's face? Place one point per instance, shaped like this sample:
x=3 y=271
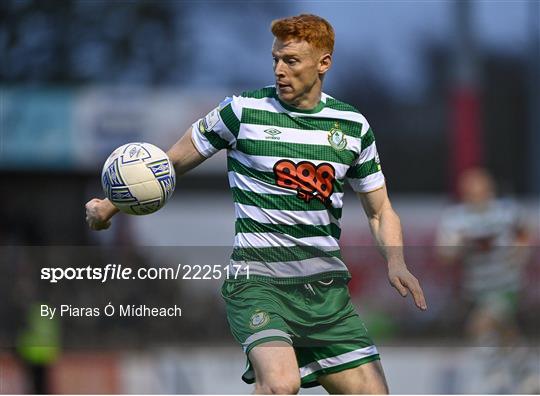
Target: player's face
x=298 y=70
x=476 y=187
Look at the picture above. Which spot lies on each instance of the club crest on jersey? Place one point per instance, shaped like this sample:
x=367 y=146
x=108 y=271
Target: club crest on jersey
x=336 y=138
x=258 y=319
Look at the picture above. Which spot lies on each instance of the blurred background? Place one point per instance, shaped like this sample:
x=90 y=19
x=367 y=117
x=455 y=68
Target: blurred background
x=446 y=85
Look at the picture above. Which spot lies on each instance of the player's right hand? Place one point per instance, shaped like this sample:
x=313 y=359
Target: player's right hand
x=99 y=213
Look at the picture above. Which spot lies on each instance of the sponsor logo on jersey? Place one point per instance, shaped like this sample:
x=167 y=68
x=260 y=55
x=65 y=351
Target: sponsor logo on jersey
x=272 y=132
x=258 y=319
x=307 y=179
x=336 y=138
x=210 y=121
x=202 y=126
x=378 y=161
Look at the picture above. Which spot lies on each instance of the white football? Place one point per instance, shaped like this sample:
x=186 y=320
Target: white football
x=138 y=178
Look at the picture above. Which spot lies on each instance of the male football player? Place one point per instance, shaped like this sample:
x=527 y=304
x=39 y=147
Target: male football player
x=488 y=237
x=290 y=149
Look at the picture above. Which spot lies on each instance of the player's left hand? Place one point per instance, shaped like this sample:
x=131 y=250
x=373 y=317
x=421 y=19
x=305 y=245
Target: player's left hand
x=400 y=278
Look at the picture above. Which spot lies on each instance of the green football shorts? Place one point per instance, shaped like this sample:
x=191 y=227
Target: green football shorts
x=317 y=319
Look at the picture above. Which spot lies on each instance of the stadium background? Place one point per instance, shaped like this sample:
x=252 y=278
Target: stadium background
x=445 y=85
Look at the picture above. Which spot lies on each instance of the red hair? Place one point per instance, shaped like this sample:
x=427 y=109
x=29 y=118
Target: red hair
x=311 y=28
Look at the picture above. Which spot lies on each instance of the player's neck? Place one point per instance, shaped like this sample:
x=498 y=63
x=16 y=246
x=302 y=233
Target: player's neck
x=308 y=102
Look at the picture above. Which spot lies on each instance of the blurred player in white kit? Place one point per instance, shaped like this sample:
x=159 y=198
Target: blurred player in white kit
x=489 y=237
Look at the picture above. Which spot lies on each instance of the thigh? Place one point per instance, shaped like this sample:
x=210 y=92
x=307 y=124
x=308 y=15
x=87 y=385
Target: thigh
x=340 y=343
x=365 y=379
x=255 y=312
x=276 y=369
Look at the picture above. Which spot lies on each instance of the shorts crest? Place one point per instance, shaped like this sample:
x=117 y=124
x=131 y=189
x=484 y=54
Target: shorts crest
x=258 y=319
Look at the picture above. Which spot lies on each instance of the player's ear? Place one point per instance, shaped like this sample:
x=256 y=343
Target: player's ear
x=325 y=62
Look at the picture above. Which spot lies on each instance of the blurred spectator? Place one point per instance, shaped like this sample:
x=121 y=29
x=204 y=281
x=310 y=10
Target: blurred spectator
x=39 y=347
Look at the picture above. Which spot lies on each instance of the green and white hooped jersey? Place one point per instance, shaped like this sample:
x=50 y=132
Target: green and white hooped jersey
x=287 y=169
x=492 y=262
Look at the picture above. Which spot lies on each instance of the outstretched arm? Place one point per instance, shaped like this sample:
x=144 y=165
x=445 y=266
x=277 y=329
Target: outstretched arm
x=184 y=157
x=386 y=229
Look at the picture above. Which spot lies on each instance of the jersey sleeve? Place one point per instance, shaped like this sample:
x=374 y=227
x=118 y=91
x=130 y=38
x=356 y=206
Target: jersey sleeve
x=218 y=129
x=365 y=174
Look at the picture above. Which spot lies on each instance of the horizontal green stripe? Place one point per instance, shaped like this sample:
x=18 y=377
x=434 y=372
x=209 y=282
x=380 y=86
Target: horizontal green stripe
x=230 y=119
x=264 y=117
x=280 y=202
x=292 y=280
x=295 y=150
x=368 y=139
x=246 y=225
x=215 y=140
x=335 y=104
x=268 y=92
x=282 y=254
x=265 y=177
x=238 y=167
x=363 y=170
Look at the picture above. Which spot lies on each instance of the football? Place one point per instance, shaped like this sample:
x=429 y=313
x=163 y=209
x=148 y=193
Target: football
x=138 y=178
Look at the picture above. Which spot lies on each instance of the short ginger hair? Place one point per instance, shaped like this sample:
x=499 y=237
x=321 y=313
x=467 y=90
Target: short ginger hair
x=311 y=28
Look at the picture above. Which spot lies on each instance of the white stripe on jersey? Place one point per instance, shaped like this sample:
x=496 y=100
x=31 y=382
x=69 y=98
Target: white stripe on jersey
x=368 y=183
x=368 y=153
x=291 y=135
x=285 y=217
x=307 y=267
x=273 y=239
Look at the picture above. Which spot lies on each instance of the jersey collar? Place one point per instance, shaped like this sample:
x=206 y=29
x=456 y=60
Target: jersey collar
x=316 y=109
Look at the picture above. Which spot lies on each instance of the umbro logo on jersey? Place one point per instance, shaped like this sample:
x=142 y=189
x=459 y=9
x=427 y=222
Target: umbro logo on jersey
x=272 y=132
